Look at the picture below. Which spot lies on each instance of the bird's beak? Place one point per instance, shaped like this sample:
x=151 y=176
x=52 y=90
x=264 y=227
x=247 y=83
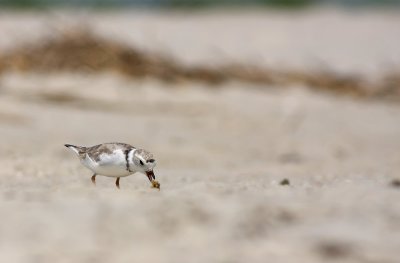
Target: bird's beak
x=150 y=175
x=152 y=178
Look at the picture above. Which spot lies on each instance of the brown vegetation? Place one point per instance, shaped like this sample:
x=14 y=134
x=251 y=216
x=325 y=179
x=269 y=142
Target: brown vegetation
x=82 y=51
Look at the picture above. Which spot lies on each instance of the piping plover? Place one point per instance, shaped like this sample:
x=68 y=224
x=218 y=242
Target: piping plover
x=116 y=160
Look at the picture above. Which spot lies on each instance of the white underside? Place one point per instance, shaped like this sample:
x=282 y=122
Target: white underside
x=111 y=165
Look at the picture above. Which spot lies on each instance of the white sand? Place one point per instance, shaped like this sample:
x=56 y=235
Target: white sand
x=221 y=154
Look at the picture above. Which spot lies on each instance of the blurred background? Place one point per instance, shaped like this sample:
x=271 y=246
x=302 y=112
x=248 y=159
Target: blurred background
x=196 y=3
x=275 y=125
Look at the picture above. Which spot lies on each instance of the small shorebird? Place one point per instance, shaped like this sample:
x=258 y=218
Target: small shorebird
x=116 y=160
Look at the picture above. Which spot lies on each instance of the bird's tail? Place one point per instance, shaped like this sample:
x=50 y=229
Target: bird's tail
x=79 y=150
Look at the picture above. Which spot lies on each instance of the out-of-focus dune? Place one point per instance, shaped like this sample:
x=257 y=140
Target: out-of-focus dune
x=222 y=152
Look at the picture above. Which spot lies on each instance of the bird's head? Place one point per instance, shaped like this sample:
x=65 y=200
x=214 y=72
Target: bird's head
x=145 y=163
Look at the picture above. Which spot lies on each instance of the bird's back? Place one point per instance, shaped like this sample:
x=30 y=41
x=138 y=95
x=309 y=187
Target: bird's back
x=95 y=152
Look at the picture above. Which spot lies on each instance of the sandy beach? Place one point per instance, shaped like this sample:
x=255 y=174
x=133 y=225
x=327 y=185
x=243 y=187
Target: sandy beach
x=222 y=151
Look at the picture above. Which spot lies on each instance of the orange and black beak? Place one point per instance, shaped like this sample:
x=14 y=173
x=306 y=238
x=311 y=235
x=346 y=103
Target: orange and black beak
x=152 y=178
x=150 y=175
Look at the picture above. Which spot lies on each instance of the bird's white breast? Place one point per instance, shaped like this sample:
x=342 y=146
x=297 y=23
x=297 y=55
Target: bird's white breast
x=109 y=164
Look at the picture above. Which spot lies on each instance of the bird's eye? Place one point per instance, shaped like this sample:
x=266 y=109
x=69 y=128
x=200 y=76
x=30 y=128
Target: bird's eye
x=141 y=162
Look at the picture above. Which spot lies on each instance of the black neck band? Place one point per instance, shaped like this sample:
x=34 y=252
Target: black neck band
x=127 y=161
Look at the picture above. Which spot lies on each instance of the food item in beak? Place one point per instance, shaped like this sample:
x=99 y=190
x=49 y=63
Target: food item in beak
x=155 y=184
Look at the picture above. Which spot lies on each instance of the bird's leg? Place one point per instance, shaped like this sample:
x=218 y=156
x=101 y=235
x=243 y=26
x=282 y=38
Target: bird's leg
x=94 y=179
x=117 y=182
